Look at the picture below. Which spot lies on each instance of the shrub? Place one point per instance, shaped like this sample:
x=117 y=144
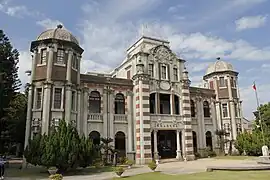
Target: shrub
x=152 y=165
x=56 y=177
x=251 y=143
x=119 y=171
x=129 y=162
x=62 y=148
x=207 y=152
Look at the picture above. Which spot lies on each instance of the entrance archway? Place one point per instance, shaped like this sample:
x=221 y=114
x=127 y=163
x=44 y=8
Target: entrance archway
x=166 y=143
x=209 y=143
x=120 y=143
x=95 y=136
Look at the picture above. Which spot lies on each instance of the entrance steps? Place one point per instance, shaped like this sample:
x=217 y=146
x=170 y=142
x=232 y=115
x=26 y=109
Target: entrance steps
x=162 y=161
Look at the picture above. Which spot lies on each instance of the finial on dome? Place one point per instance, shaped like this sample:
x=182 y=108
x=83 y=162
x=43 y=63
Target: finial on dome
x=60 y=26
x=218 y=58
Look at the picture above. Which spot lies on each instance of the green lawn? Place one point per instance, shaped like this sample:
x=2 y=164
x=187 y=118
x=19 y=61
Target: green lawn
x=220 y=175
x=39 y=172
x=235 y=157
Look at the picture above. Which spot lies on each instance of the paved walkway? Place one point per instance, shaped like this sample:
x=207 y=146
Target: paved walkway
x=172 y=168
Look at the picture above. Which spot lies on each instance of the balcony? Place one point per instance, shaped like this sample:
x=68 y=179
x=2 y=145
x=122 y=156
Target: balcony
x=165 y=117
x=208 y=121
x=95 y=117
x=120 y=118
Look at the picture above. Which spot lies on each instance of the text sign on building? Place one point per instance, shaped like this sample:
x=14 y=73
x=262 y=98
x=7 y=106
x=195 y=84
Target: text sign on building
x=168 y=125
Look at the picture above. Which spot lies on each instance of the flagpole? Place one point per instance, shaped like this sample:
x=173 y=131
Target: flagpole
x=260 y=117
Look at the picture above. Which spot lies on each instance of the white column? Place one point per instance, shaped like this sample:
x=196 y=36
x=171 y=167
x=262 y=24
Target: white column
x=78 y=70
x=50 y=63
x=69 y=65
x=105 y=113
x=111 y=119
x=79 y=119
x=155 y=144
x=201 y=126
x=241 y=115
x=130 y=124
x=68 y=89
x=178 y=151
x=85 y=113
x=214 y=116
x=46 y=108
x=232 y=110
x=29 y=116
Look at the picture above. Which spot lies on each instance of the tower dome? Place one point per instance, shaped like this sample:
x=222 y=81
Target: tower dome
x=219 y=66
x=59 y=33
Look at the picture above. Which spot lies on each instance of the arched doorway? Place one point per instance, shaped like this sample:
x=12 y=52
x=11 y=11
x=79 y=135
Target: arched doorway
x=95 y=136
x=120 y=143
x=195 y=147
x=209 y=143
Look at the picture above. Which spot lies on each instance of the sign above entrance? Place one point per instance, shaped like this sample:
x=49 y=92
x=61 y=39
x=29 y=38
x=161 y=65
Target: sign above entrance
x=168 y=125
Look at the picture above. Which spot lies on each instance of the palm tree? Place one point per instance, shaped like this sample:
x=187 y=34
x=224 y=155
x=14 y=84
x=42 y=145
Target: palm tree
x=221 y=133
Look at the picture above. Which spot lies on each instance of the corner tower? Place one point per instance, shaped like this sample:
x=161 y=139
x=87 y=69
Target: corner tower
x=221 y=77
x=54 y=92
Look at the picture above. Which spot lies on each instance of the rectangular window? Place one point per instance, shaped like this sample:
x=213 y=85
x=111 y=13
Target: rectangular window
x=175 y=74
x=211 y=85
x=74 y=61
x=236 y=110
x=128 y=74
x=225 y=110
x=163 y=72
x=43 y=56
x=222 y=82
x=73 y=99
x=57 y=98
x=151 y=70
x=60 y=56
x=38 y=98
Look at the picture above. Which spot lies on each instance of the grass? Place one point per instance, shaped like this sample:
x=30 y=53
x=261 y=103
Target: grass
x=235 y=157
x=220 y=175
x=40 y=172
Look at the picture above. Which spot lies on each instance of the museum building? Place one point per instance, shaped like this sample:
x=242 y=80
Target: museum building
x=146 y=104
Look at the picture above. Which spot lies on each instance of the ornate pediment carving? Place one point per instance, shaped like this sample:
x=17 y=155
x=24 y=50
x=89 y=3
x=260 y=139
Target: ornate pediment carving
x=162 y=54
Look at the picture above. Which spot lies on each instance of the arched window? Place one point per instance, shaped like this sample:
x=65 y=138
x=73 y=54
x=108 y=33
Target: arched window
x=192 y=108
x=94 y=102
x=208 y=136
x=206 y=109
x=120 y=143
x=119 y=104
x=95 y=137
x=194 y=135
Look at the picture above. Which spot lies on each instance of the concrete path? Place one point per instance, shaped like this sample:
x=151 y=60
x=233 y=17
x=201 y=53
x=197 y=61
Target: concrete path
x=172 y=168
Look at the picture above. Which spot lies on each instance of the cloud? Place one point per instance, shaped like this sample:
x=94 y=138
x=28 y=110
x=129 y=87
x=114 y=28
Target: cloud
x=18 y=11
x=49 y=23
x=25 y=62
x=198 y=66
x=250 y=22
x=174 y=9
x=249 y=99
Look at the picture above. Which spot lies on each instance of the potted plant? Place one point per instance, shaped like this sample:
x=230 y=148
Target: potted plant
x=52 y=170
x=129 y=163
x=119 y=171
x=56 y=177
x=152 y=165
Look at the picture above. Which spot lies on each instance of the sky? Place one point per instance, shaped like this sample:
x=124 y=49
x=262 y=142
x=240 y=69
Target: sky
x=199 y=31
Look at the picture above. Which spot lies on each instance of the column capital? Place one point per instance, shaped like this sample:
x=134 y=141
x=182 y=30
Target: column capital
x=130 y=93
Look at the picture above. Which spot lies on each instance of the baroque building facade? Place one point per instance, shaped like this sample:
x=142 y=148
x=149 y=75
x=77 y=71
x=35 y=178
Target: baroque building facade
x=146 y=105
